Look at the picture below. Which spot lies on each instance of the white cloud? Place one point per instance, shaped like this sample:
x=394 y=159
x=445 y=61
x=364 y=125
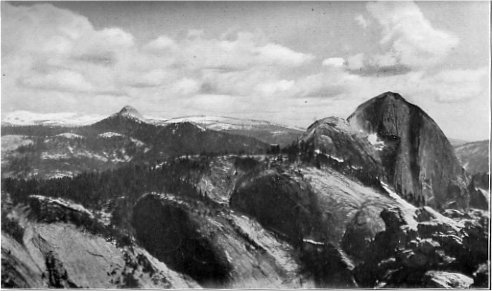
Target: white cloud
x=277 y=54
x=408 y=37
x=62 y=80
x=333 y=62
x=362 y=21
x=56 y=50
x=55 y=59
x=356 y=62
x=456 y=85
x=272 y=88
x=161 y=44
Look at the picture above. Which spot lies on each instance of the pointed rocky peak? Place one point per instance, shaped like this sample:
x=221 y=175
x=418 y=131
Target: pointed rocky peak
x=129 y=111
x=122 y=121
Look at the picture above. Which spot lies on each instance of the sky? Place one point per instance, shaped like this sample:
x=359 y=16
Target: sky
x=286 y=62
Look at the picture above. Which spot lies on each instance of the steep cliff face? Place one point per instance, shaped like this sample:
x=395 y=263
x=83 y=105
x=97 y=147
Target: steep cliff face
x=50 y=249
x=424 y=168
x=213 y=245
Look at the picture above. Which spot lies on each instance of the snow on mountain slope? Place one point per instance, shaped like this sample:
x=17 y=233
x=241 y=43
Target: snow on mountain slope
x=69 y=135
x=264 y=131
x=12 y=142
x=23 y=118
x=67 y=154
x=223 y=123
x=110 y=134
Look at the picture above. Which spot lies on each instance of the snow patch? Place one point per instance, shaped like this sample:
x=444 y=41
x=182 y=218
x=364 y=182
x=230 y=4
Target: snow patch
x=486 y=193
x=110 y=134
x=64 y=203
x=375 y=141
x=54 y=156
x=438 y=217
x=23 y=118
x=313 y=242
x=12 y=142
x=59 y=174
x=407 y=208
x=223 y=123
x=340 y=160
x=70 y=135
x=137 y=142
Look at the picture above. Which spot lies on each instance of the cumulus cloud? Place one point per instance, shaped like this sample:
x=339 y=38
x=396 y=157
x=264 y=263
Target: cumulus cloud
x=56 y=60
x=241 y=52
x=333 y=62
x=362 y=21
x=451 y=86
x=408 y=37
x=55 y=50
x=62 y=80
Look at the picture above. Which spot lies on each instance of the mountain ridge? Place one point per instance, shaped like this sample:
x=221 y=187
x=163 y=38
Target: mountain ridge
x=128 y=203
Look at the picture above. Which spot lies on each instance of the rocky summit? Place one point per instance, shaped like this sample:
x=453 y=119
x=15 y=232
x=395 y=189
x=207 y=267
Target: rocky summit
x=417 y=157
x=377 y=200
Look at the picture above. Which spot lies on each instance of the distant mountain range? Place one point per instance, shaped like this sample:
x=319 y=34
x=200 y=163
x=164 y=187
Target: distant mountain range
x=474 y=156
x=264 y=131
x=377 y=200
x=122 y=137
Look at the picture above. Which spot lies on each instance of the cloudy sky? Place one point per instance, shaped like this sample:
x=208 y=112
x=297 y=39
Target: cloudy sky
x=288 y=62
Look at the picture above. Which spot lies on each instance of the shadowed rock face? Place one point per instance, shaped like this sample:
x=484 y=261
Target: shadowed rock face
x=169 y=233
x=312 y=213
x=61 y=247
x=281 y=205
x=424 y=165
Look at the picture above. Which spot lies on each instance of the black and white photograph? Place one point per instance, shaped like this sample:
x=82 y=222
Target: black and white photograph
x=245 y=144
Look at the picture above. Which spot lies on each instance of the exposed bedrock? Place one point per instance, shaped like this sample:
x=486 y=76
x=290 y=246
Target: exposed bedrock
x=425 y=167
x=292 y=210
x=281 y=205
x=426 y=250
x=171 y=235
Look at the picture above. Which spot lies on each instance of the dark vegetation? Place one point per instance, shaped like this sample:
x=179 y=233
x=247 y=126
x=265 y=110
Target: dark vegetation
x=50 y=212
x=300 y=151
x=12 y=227
x=114 y=191
x=34 y=130
x=169 y=234
x=29 y=157
x=92 y=189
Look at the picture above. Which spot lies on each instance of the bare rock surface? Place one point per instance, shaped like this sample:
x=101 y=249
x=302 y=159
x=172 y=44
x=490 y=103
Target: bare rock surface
x=424 y=166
